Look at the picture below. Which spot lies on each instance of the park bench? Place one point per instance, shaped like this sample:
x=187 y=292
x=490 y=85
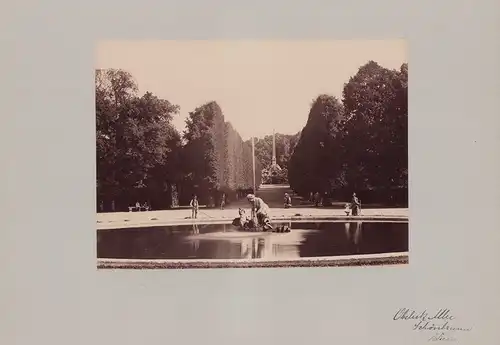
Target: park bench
x=138 y=208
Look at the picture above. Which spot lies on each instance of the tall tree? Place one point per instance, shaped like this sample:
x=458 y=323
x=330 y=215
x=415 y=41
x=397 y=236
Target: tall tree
x=134 y=137
x=310 y=167
x=113 y=89
x=215 y=158
x=375 y=130
x=203 y=156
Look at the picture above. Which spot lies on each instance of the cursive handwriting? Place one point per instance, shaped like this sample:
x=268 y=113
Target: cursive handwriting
x=427 y=326
x=441 y=323
x=407 y=314
x=442 y=337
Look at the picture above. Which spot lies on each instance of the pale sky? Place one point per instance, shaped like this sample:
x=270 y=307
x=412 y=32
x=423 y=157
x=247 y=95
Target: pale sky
x=260 y=85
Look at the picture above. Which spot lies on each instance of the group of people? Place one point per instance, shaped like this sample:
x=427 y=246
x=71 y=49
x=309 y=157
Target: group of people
x=260 y=210
x=259 y=217
x=211 y=202
x=139 y=207
x=195 y=204
x=317 y=199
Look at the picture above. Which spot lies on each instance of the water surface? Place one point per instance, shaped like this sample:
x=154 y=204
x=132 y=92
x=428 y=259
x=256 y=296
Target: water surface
x=225 y=242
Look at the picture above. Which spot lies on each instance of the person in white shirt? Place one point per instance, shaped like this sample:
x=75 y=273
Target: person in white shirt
x=194 y=207
x=347 y=209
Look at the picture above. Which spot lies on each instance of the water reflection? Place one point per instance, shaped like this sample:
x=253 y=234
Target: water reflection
x=353 y=232
x=195 y=242
x=226 y=242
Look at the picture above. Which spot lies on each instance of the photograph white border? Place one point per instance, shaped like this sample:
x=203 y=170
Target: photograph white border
x=53 y=293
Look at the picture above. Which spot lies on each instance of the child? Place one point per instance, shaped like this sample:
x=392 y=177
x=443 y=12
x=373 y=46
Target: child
x=194 y=207
x=347 y=209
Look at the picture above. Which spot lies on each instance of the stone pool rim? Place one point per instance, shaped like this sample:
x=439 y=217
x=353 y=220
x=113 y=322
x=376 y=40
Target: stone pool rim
x=124 y=224
x=384 y=259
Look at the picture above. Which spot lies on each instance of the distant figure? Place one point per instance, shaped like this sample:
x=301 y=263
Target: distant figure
x=347 y=209
x=355 y=205
x=211 y=202
x=194 y=207
x=288 y=201
x=282 y=228
x=326 y=201
x=311 y=197
x=260 y=210
x=317 y=199
x=223 y=201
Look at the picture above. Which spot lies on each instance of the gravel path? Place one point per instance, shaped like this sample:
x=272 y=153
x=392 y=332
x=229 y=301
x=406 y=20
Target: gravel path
x=182 y=216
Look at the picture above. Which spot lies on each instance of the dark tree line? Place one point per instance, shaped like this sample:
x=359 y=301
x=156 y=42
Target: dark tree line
x=357 y=144
x=142 y=157
x=215 y=158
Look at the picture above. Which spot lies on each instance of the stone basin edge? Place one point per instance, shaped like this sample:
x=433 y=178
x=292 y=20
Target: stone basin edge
x=344 y=261
x=162 y=222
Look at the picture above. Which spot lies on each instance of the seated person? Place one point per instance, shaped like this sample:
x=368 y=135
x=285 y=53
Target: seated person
x=243 y=221
x=288 y=201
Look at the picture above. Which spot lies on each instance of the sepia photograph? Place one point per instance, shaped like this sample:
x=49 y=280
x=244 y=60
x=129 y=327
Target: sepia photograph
x=247 y=154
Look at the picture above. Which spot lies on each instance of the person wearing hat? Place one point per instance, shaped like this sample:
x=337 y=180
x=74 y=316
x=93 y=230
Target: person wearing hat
x=260 y=210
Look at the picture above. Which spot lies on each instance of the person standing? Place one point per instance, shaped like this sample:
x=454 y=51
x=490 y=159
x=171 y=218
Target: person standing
x=355 y=205
x=317 y=199
x=194 y=207
x=223 y=201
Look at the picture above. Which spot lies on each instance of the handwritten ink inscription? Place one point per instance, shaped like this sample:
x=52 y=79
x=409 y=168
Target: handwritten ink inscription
x=441 y=325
